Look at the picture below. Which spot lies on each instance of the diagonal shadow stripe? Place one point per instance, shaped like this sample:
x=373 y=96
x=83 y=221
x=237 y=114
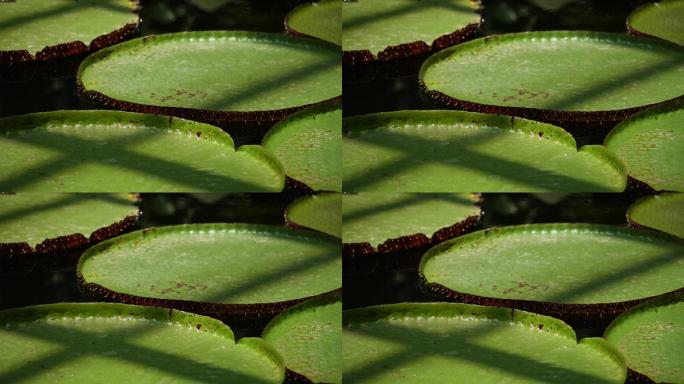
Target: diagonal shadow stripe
x=618 y=274
x=517 y=364
x=137 y=355
x=67 y=199
x=66 y=8
x=604 y=86
x=282 y=81
x=495 y=359
x=260 y=280
x=490 y=165
x=407 y=199
x=136 y=162
x=360 y=22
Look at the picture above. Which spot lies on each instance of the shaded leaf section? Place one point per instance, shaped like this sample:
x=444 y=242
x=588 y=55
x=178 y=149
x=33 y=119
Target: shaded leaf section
x=322 y=212
x=221 y=268
x=48 y=29
x=391 y=29
x=71 y=343
x=449 y=151
x=650 y=337
x=413 y=343
x=662 y=19
x=664 y=212
x=384 y=222
x=650 y=144
x=105 y=151
x=214 y=76
x=321 y=19
x=606 y=269
x=309 y=337
x=584 y=78
x=309 y=145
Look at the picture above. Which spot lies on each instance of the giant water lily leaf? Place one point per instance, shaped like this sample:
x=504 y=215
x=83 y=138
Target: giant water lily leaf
x=390 y=29
x=605 y=269
x=650 y=337
x=560 y=76
x=47 y=29
x=109 y=151
x=387 y=222
x=450 y=151
x=322 y=212
x=651 y=144
x=221 y=269
x=662 y=19
x=92 y=342
x=663 y=212
x=220 y=77
x=322 y=19
x=309 y=337
x=52 y=222
x=428 y=342
x=308 y=144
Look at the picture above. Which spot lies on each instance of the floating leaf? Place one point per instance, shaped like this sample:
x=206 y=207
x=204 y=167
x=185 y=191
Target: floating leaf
x=322 y=212
x=221 y=77
x=574 y=271
x=663 y=212
x=662 y=19
x=48 y=223
x=309 y=337
x=218 y=269
x=389 y=222
x=48 y=29
x=650 y=337
x=450 y=151
x=651 y=144
x=308 y=144
x=110 y=151
x=428 y=342
x=92 y=342
x=569 y=77
x=391 y=29
x=322 y=19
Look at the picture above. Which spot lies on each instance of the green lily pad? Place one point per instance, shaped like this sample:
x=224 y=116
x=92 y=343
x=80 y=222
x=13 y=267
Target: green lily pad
x=322 y=19
x=605 y=269
x=662 y=19
x=650 y=337
x=51 y=222
x=97 y=342
x=308 y=144
x=450 y=151
x=322 y=212
x=48 y=29
x=428 y=342
x=110 y=151
x=222 y=77
x=391 y=29
x=309 y=337
x=663 y=212
x=388 y=222
x=650 y=144
x=221 y=269
x=584 y=78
